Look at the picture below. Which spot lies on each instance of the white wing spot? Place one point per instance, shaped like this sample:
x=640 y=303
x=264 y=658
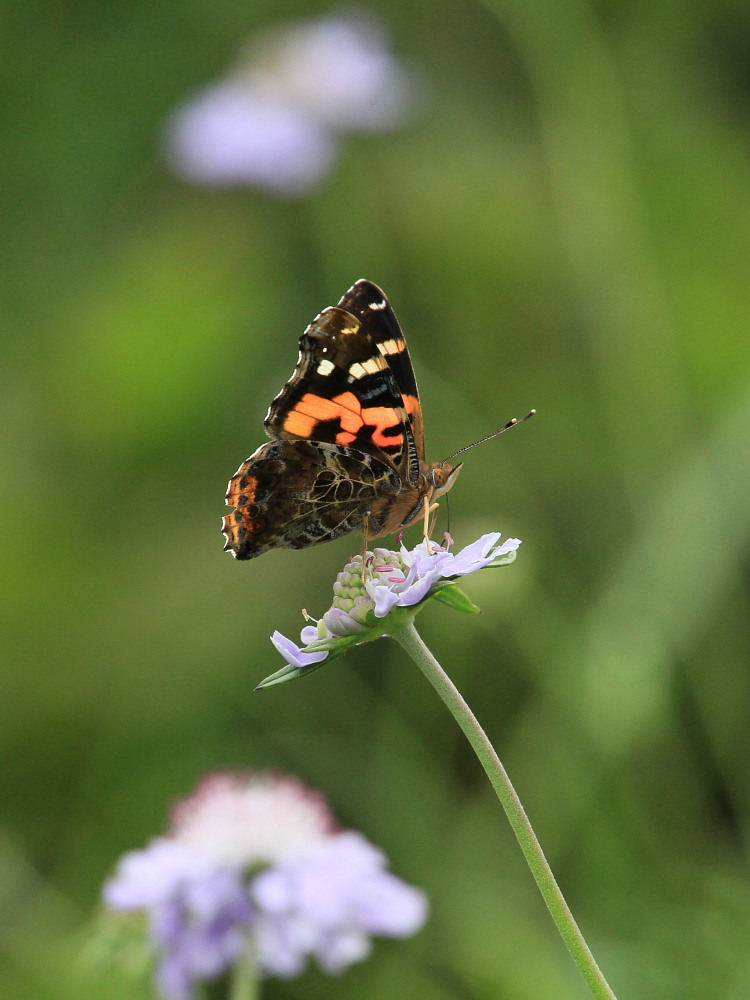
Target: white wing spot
x=325 y=367
x=391 y=347
x=378 y=305
x=368 y=367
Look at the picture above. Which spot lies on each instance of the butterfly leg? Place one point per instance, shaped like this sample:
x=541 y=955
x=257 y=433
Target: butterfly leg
x=365 y=526
x=429 y=523
x=433 y=519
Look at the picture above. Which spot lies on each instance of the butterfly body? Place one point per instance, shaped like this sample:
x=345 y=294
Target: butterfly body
x=347 y=439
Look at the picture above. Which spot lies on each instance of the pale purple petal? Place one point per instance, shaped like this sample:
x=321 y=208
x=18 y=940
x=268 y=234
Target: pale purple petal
x=422 y=559
x=271 y=891
x=279 y=949
x=412 y=556
x=404 y=593
x=480 y=554
x=149 y=877
x=475 y=553
x=337 y=951
x=327 y=903
x=443 y=564
x=341 y=623
x=417 y=587
x=384 y=597
x=389 y=907
x=234 y=134
x=291 y=652
x=508 y=546
x=340 y=70
x=198 y=912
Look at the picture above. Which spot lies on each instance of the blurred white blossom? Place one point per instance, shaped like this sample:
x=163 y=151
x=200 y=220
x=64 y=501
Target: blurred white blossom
x=275 y=120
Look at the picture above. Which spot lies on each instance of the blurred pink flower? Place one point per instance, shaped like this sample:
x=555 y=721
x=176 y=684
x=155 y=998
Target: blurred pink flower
x=254 y=866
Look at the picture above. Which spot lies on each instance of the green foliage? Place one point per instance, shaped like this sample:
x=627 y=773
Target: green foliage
x=566 y=227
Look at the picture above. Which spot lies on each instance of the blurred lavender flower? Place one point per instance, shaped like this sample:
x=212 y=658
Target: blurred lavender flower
x=254 y=869
x=233 y=134
x=393 y=580
x=273 y=120
x=198 y=912
x=339 y=70
x=328 y=903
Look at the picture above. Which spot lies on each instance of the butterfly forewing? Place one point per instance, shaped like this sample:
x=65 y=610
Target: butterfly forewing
x=343 y=392
x=371 y=306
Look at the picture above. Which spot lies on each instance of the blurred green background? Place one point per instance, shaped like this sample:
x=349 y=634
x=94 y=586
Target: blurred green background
x=566 y=226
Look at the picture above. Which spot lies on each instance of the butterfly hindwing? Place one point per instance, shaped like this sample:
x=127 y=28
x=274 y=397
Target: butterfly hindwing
x=296 y=494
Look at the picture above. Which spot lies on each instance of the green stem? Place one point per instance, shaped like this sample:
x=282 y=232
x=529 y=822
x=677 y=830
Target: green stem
x=411 y=641
x=244 y=983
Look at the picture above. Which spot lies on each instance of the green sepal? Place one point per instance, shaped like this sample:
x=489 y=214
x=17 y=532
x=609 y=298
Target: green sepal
x=505 y=560
x=455 y=598
x=290 y=673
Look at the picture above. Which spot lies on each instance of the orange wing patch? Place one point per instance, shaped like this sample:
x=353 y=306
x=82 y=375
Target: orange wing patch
x=312 y=409
x=352 y=416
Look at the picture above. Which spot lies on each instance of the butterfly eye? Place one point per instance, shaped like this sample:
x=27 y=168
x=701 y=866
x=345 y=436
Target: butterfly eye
x=443 y=477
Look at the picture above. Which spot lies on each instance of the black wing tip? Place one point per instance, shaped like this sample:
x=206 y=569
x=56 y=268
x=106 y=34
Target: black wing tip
x=363 y=286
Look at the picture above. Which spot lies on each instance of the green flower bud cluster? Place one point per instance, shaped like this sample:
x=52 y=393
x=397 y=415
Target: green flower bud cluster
x=349 y=593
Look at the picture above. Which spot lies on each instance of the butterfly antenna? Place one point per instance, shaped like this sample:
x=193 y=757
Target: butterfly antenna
x=511 y=423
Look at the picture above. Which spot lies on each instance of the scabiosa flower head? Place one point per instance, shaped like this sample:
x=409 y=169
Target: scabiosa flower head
x=393 y=588
x=275 y=119
x=254 y=868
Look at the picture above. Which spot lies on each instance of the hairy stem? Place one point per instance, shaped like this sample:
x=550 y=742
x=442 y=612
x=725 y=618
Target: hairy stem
x=408 y=637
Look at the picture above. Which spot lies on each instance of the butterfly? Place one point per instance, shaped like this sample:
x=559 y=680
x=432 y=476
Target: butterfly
x=347 y=439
